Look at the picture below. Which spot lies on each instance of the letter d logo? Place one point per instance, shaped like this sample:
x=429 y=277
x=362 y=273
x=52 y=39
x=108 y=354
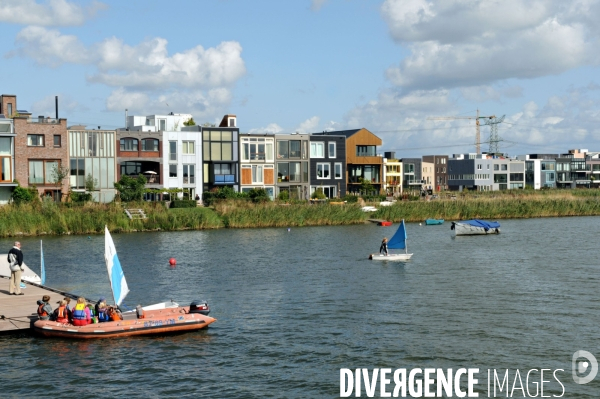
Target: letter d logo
x=582 y=366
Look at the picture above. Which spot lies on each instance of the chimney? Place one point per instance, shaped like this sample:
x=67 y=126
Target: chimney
x=56 y=105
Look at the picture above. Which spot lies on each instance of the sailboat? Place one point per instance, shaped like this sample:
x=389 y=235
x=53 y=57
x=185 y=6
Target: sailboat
x=398 y=241
x=161 y=318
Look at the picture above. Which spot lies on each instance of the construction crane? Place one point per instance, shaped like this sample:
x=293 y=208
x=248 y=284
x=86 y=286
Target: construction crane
x=476 y=118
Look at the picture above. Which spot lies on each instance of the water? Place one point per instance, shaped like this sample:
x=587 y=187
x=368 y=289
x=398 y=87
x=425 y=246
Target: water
x=295 y=307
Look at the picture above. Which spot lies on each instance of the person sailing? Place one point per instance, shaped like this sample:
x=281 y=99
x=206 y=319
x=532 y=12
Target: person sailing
x=81 y=313
x=383 y=248
x=62 y=314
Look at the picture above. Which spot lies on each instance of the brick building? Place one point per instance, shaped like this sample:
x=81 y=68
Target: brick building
x=40 y=147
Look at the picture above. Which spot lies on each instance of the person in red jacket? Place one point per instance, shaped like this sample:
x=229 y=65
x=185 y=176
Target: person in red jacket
x=62 y=314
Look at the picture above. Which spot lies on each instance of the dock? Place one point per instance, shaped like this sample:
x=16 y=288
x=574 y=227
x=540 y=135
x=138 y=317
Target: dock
x=19 y=312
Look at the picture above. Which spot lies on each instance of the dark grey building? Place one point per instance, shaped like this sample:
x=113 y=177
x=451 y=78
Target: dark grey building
x=328 y=165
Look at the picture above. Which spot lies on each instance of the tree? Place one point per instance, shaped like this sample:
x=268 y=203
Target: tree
x=59 y=174
x=189 y=122
x=90 y=183
x=131 y=189
x=366 y=186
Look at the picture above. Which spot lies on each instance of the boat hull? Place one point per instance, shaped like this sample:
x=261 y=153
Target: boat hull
x=432 y=222
x=463 y=229
x=161 y=321
x=390 y=257
x=384 y=223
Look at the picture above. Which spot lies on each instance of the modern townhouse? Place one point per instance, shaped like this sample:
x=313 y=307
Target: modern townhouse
x=257 y=163
x=428 y=176
x=440 y=177
x=292 y=164
x=7 y=159
x=362 y=159
x=482 y=172
x=392 y=174
x=412 y=173
x=328 y=165
x=156 y=147
x=92 y=157
x=540 y=170
x=40 y=149
x=220 y=154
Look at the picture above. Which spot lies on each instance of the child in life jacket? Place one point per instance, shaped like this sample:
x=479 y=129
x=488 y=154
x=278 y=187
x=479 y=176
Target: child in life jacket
x=81 y=313
x=62 y=314
x=44 y=309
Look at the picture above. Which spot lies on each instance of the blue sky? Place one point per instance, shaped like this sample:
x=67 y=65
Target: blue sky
x=309 y=66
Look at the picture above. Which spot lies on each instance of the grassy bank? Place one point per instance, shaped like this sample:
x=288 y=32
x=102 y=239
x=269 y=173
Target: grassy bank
x=55 y=219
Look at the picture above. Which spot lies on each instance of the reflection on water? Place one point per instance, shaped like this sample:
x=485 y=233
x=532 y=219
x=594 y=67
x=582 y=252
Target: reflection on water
x=293 y=307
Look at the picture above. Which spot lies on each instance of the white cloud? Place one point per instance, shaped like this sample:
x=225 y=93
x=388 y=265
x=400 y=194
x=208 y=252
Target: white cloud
x=480 y=94
x=145 y=77
x=465 y=43
x=309 y=125
x=47 y=106
x=53 y=13
x=270 y=128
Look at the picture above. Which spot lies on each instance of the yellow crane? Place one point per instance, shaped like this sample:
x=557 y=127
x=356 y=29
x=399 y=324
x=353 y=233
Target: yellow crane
x=476 y=118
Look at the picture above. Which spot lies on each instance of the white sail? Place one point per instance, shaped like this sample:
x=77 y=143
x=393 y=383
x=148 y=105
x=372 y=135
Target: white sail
x=115 y=272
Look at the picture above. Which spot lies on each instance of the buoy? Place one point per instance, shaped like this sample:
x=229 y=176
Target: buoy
x=89 y=238
x=172 y=262
x=420 y=224
x=289 y=229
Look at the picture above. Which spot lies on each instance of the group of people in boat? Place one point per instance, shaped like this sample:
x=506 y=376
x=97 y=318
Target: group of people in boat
x=81 y=314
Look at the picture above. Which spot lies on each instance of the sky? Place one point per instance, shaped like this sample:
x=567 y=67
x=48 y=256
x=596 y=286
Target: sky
x=307 y=66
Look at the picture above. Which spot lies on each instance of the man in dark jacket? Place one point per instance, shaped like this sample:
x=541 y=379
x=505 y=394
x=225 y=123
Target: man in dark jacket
x=15 y=262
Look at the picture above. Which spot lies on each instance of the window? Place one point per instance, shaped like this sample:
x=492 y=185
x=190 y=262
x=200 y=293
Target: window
x=257 y=174
x=162 y=124
x=337 y=170
x=10 y=110
x=255 y=149
x=409 y=168
x=496 y=167
x=317 y=150
x=5 y=173
x=366 y=151
x=283 y=171
x=35 y=140
x=189 y=174
x=173 y=151
x=331 y=149
x=149 y=145
x=57 y=140
x=288 y=149
x=517 y=176
x=172 y=170
x=500 y=178
x=40 y=172
x=129 y=144
x=478 y=166
x=128 y=168
x=188 y=148
x=504 y=167
x=323 y=170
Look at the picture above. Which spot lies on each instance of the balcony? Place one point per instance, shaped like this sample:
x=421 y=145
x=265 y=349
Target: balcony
x=224 y=179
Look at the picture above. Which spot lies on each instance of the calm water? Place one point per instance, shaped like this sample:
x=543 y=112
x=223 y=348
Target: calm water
x=295 y=307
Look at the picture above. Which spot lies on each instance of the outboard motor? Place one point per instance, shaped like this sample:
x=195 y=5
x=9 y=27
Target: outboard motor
x=199 y=307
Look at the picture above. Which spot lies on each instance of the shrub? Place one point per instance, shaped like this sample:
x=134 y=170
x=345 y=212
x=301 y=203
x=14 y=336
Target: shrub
x=131 y=189
x=258 y=195
x=183 y=204
x=318 y=194
x=284 y=196
x=22 y=195
x=350 y=199
x=80 y=197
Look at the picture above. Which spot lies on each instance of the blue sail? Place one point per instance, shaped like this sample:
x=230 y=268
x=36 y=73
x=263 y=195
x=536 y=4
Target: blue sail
x=398 y=241
x=42 y=268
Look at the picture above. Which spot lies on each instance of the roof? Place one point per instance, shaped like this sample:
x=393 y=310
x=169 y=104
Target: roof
x=346 y=133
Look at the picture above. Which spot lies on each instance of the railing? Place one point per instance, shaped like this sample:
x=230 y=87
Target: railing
x=41 y=119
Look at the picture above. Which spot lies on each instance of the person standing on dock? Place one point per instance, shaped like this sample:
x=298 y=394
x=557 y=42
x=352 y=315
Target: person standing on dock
x=15 y=261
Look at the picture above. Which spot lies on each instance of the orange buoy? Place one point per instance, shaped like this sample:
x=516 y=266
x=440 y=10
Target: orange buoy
x=172 y=262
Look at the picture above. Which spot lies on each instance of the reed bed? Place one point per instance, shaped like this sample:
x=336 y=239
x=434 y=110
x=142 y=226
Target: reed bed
x=239 y=215
x=492 y=208
x=57 y=219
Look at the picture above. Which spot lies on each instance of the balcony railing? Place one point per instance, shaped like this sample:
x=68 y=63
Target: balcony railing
x=41 y=119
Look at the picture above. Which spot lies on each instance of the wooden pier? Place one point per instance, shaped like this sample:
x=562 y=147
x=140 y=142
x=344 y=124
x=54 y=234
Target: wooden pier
x=19 y=312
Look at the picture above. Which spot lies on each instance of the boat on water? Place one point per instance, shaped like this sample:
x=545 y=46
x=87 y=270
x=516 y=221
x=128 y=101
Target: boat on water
x=432 y=222
x=161 y=318
x=474 y=227
x=384 y=223
x=398 y=241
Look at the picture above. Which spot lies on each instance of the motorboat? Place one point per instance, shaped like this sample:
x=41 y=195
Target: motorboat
x=432 y=222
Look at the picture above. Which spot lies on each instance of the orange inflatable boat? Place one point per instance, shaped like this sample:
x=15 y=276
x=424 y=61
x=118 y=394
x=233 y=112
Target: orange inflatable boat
x=160 y=321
